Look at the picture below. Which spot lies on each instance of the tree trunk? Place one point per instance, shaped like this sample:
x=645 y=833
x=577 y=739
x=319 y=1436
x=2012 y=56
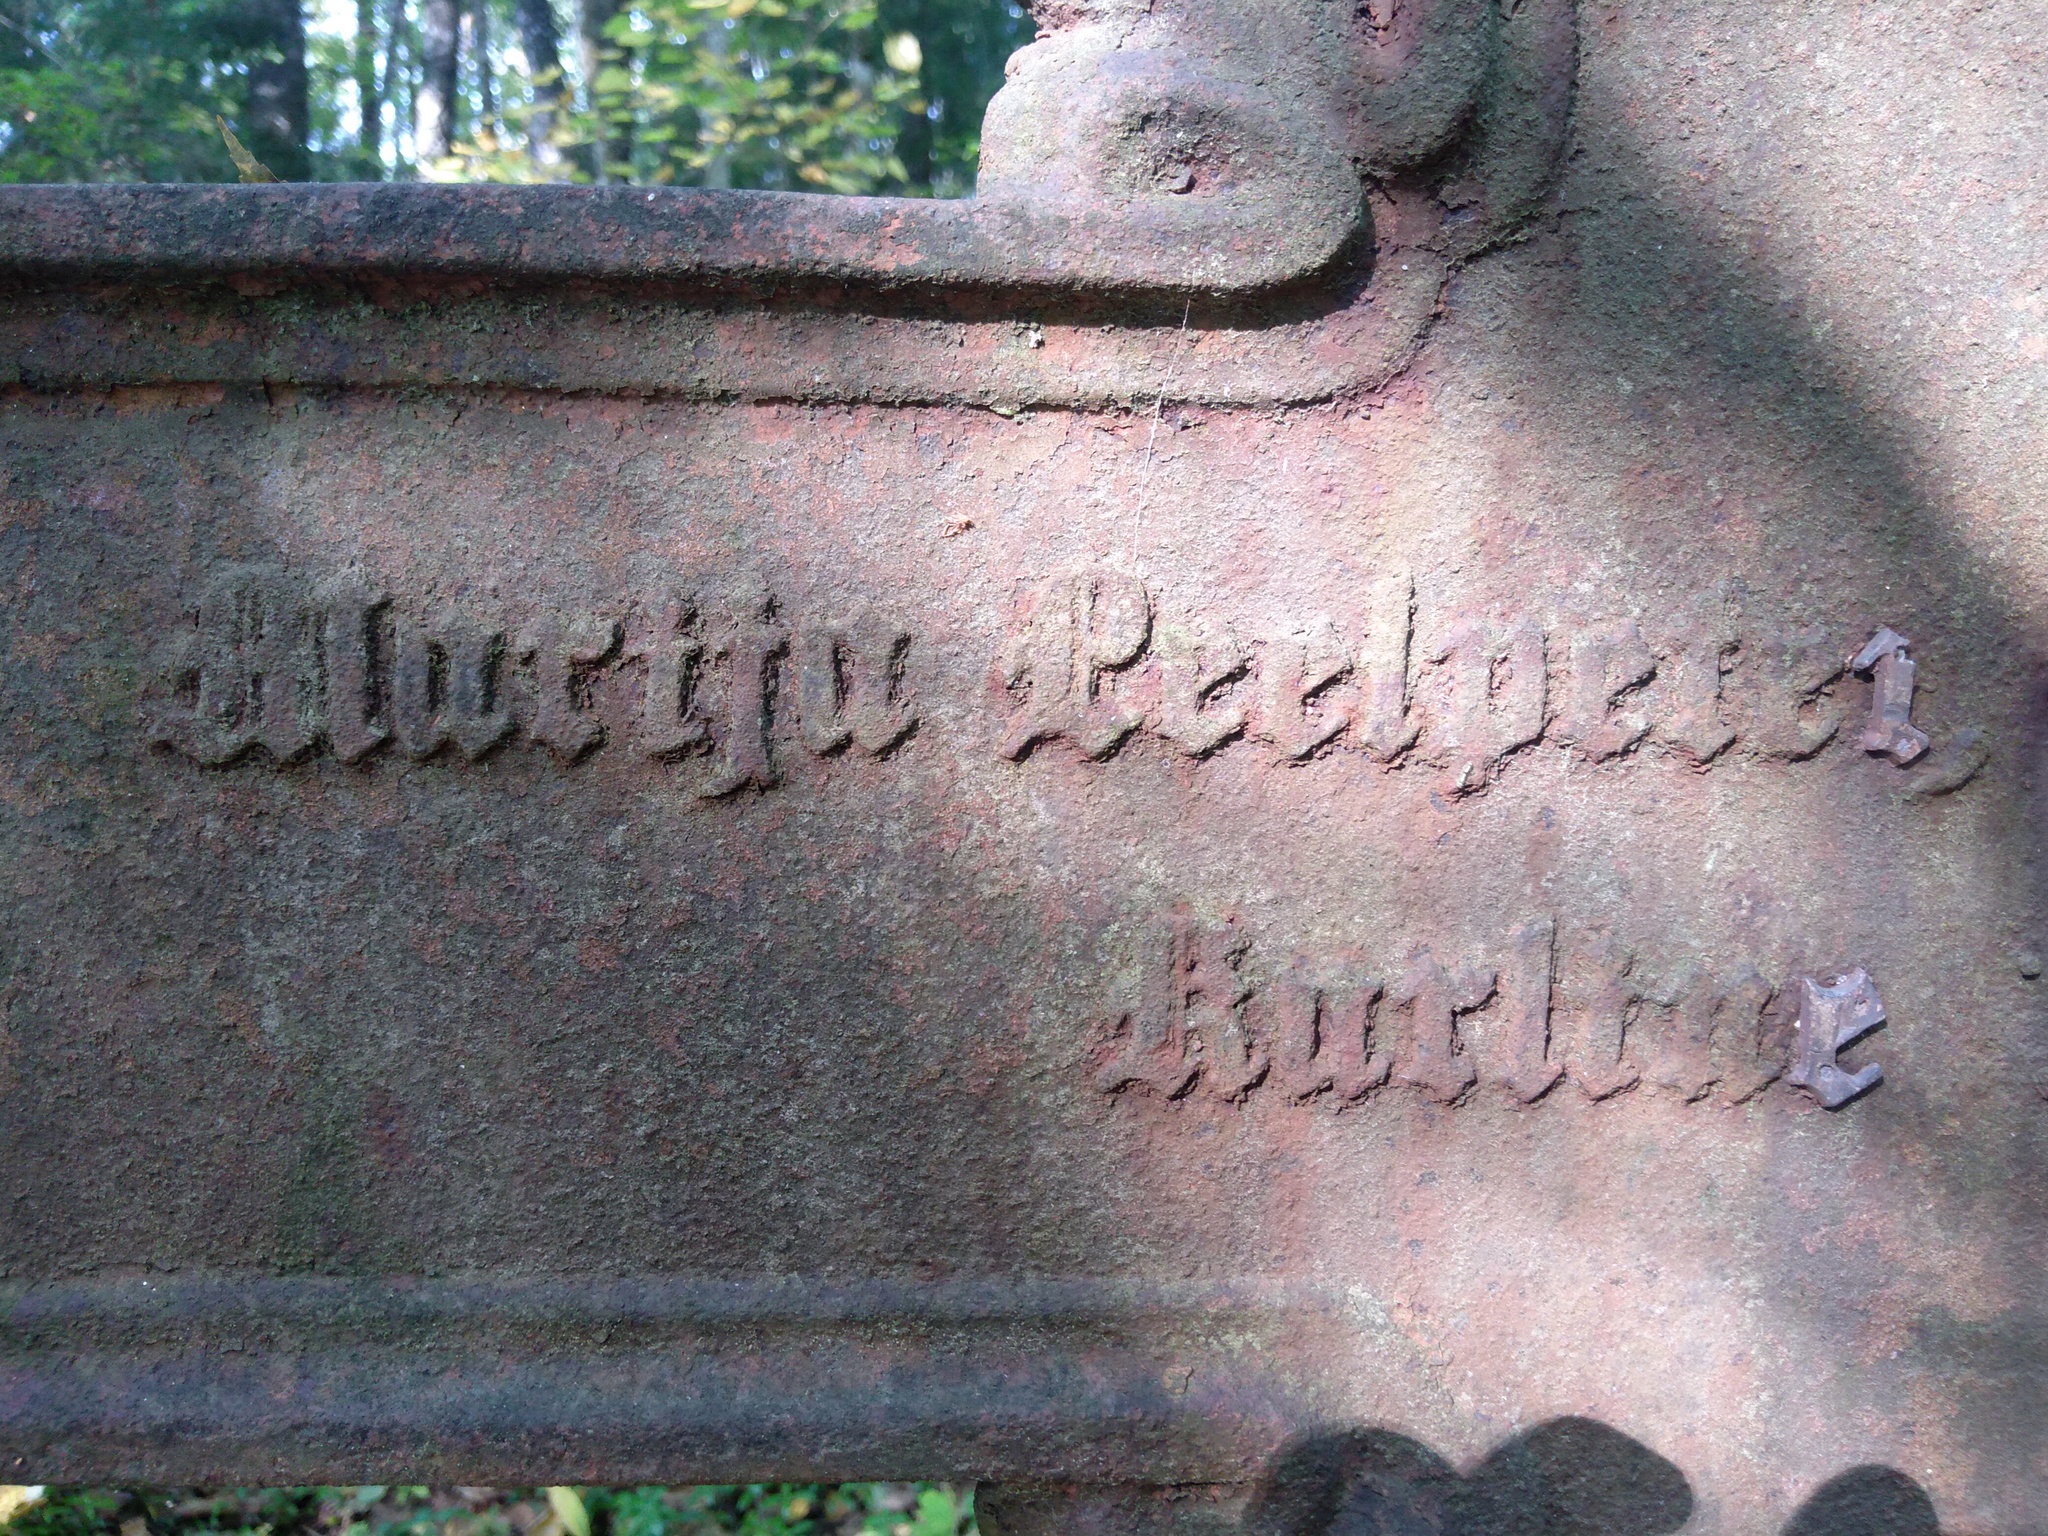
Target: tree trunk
x=914 y=146
x=433 y=123
x=718 y=170
x=542 y=41
x=607 y=151
x=479 y=14
x=396 y=89
x=276 y=126
x=370 y=141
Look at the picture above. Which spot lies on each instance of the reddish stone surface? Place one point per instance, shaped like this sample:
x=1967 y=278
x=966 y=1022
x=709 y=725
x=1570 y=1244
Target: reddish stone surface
x=616 y=882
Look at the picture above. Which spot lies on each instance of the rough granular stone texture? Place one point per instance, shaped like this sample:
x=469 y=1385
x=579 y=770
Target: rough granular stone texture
x=1197 y=905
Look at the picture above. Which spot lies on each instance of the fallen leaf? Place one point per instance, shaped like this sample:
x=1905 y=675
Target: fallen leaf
x=246 y=164
x=567 y=1504
x=13 y=1500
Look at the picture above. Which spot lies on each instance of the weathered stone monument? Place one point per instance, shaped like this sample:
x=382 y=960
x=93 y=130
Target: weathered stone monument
x=1323 y=817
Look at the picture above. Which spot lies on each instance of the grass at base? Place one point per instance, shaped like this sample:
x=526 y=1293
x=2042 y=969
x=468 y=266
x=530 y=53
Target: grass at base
x=760 y=1509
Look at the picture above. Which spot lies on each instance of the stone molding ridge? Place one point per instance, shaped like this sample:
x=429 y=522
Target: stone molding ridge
x=1219 y=148
x=673 y=1378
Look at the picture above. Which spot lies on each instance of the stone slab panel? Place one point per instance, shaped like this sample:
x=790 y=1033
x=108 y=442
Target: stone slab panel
x=1082 y=921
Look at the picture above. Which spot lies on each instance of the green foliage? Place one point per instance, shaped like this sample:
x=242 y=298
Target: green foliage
x=754 y=93
x=828 y=95
x=760 y=1509
x=119 y=90
x=783 y=1509
x=70 y=1512
x=965 y=47
x=824 y=95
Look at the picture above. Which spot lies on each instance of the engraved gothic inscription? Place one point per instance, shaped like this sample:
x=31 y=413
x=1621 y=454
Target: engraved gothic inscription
x=265 y=666
x=267 y=663
x=1096 y=662
x=1545 y=1006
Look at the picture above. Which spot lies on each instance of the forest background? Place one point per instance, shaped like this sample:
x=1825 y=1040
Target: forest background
x=824 y=95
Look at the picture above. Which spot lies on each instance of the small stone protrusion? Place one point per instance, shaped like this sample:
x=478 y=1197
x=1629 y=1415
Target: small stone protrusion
x=1953 y=765
x=1890 y=730
x=1832 y=1017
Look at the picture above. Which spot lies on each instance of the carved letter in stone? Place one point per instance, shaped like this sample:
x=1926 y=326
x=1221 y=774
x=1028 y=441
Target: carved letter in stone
x=284 y=676
x=752 y=647
x=1679 y=1043
x=419 y=679
x=1493 y=701
x=1320 y=1027
x=1596 y=1002
x=1791 y=714
x=1083 y=627
x=562 y=657
x=1151 y=1041
x=445 y=688
x=1689 y=684
x=355 y=645
x=1513 y=1044
x=1384 y=728
x=251 y=675
x=850 y=683
x=174 y=719
x=1232 y=1062
x=1292 y=674
x=669 y=723
x=1608 y=664
x=1428 y=1000
x=1890 y=729
x=1749 y=1048
x=1193 y=1025
x=1712 y=1036
x=1193 y=670
x=1833 y=1017
x=1286 y=1014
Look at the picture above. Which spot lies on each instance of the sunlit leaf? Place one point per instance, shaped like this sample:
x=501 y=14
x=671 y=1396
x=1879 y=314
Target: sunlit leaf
x=904 y=52
x=568 y=1508
x=247 y=166
x=15 y=1499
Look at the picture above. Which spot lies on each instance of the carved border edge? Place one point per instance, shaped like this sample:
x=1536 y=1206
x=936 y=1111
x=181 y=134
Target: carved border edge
x=553 y=233
x=669 y=1380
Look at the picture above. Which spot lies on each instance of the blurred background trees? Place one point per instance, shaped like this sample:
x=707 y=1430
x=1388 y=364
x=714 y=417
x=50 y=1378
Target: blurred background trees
x=826 y=95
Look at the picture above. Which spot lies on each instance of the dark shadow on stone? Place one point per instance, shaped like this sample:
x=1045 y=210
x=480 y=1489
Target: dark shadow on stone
x=1365 y=1482
x=1574 y=1477
x=1569 y=1477
x=1639 y=288
x=1867 y=1501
